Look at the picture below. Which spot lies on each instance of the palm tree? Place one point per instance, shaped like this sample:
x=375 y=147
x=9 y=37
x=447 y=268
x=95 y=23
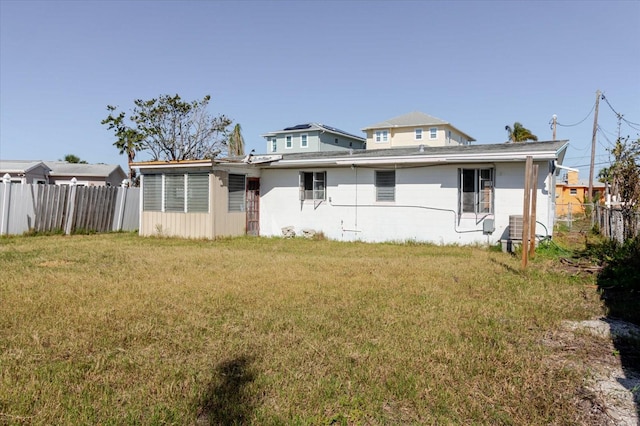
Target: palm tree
x=70 y=158
x=519 y=133
x=236 y=142
x=130 y=141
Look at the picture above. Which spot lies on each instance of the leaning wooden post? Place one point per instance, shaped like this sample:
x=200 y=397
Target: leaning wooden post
x=525 y=211
x=534 y=199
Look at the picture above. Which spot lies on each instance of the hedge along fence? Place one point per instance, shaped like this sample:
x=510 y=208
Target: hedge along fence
x=67 y=208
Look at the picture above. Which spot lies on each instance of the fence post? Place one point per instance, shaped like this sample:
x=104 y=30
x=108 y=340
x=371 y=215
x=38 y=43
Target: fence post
x=4 y=209
x=122 y=195
x=71 y=206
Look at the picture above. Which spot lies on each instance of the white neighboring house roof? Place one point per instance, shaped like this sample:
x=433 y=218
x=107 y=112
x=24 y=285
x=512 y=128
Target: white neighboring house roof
x=414 y=119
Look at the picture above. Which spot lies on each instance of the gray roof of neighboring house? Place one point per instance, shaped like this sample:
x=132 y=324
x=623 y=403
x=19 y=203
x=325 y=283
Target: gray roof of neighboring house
x=504 y=152
x=20 y=166
x=62 y=168
x=412 y=119
x=301 y=128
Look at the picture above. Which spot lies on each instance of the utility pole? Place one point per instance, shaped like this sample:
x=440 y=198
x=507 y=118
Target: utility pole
x=553 y=125
x=593 y=146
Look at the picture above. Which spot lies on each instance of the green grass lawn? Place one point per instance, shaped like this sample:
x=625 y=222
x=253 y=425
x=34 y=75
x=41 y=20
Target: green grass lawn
x=118 y=329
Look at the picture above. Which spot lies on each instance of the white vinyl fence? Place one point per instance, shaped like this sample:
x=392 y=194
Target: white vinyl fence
x=67 y=208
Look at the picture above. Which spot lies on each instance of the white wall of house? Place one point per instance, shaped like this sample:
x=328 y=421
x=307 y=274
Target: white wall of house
x=425 y=207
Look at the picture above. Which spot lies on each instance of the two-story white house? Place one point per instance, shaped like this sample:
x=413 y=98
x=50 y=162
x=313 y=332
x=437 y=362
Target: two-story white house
x=415 y=128
x=311 y=137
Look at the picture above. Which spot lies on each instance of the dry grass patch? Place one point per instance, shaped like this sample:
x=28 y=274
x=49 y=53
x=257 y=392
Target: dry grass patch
x=121 y=329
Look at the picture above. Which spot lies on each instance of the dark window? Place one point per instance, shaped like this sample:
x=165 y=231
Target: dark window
x=312 y=185
x=385 y=181
x=236 y=193
x=476 y=190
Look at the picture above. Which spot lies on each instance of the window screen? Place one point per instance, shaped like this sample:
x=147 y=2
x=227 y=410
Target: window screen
x=236 y=193
x=198 y=192
x=174 y=193
x=152 y=193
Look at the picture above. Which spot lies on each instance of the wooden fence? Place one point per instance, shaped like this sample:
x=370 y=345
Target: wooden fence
x=68 y=209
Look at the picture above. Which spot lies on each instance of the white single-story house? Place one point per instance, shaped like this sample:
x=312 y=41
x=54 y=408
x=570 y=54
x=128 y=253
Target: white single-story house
x=461 y=194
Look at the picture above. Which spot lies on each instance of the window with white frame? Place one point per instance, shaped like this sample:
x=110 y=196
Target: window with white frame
x=313 y=186
x=385 y=182
x=288 y=142
x=382 y=136
x=418 y=134
x=573 y=191
x=433 y=133
x=176 y=192
x=476 y=191
x=304 y=141
x=274 y=144
x=236 y=192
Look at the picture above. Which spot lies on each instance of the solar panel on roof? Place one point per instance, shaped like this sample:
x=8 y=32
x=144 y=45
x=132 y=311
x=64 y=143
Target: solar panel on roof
x=299 y=127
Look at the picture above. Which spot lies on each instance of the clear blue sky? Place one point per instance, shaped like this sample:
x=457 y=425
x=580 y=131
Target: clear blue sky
x=271 y=64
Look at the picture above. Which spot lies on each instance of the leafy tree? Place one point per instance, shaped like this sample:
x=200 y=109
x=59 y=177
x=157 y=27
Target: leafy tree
x=624 y=177
x=169 y=129
x=70 y=158
x=519 y=133
x=129 y=140
x=236 y=141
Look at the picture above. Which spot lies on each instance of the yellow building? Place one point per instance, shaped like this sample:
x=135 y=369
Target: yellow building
x=571 y=194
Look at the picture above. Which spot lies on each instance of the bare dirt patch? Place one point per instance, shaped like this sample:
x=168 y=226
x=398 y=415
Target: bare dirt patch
x=610 y=394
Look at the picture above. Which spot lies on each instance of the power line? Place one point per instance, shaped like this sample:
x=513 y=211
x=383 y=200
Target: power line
x=595 y=164
x=620 y=116
x=581 y=121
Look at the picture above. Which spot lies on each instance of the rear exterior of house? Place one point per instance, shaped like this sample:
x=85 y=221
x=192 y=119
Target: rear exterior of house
x=448 y=195
x=443 y=195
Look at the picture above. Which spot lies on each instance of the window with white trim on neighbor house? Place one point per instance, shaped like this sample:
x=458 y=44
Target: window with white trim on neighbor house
x=304 y=141
x=418 y=134
x=476 y=191
x=288 y=143
x=433 y=133
x=385 y=182
x=274 y=145
x=312 y=185
x=382 y=135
